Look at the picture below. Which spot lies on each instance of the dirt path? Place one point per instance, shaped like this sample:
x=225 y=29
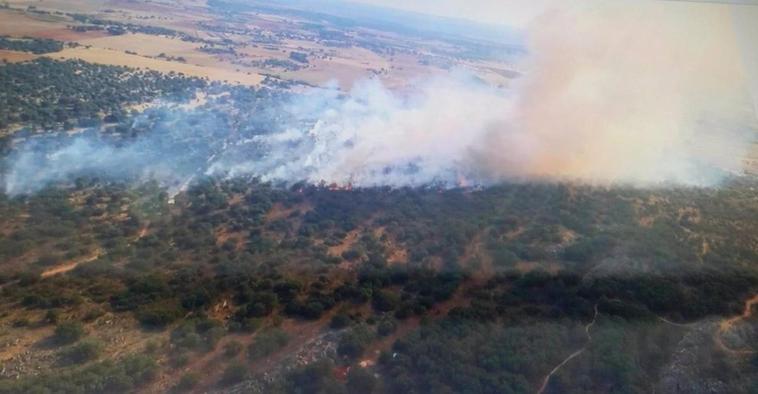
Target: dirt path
x=279 y=211
x=300 y=333
x=209 y=366
x=61 y=269
x=350 y=239
x=669 y=322
x=143 y=231
x=587 y=328
x=727 y=325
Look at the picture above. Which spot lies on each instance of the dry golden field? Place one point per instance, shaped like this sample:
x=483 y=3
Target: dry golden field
x=15 y=57
x=107 y=56
x=327 y=64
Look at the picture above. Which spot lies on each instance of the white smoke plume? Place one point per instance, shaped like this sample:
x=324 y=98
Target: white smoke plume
x=374 y=137
x=642 y=92
x=171 y=146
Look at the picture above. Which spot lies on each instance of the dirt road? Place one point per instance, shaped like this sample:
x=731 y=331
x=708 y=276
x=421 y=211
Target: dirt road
x=587 y=328
x=66 y=267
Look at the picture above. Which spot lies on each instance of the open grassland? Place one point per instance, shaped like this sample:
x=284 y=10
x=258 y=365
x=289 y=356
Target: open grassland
x=117 y=58
x=142 y=44
x=63 y=5
x=15 y=57
x=22 y=24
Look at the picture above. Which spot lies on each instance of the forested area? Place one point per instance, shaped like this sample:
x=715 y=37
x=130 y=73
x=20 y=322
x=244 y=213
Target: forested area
x=502 y=279
x=52 y=94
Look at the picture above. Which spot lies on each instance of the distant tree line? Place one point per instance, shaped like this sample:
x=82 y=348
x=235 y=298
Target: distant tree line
x=29 y=44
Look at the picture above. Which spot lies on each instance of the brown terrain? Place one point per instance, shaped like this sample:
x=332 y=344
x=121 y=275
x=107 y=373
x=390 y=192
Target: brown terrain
x=245 y=65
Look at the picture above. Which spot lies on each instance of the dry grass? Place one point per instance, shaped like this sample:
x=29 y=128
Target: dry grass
x=62 y=5
x=143 y=44
x=18 y=24
x=15 y=57
x=117 y=58
x=279 y=211
x=347 y=243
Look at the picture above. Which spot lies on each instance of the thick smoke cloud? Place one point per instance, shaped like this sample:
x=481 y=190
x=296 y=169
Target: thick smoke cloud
x=640 y=92
x=614 y=92
x=375 y=137
x=643 y=93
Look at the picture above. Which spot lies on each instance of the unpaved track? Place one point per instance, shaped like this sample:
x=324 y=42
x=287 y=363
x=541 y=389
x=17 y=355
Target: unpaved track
x=724 y=326
x=546 y=380
x=61 y=269
x=727 y=325
x=669 y=322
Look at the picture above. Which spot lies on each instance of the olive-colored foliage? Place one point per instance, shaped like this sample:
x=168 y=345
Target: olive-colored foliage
x=234 y=373
x=68 y=332
x=104 y=377
x=266 y=343
x=49 y=93
x=186 y=383
x=182 y=270
x=29 y=44
x=82 y=352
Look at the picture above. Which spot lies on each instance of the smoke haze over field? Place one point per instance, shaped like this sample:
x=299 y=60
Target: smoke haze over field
x=172 y=146
x=641 y=93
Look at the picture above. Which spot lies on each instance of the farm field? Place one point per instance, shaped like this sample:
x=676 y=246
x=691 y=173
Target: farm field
x=118 y=58
x=344 y=63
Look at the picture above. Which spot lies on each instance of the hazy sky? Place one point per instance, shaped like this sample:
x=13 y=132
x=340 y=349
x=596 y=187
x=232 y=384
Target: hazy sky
x=515 y=13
